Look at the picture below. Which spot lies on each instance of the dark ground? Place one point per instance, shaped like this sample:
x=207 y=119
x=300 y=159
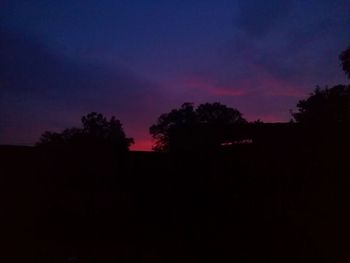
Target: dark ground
x=247 y=204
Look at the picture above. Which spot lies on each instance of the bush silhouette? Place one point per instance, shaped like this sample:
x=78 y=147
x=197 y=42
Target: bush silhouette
x=96 y=133
x=325 y=106
x=345 y=61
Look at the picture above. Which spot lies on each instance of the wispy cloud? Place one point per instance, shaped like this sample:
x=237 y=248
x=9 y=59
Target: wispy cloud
x=211 y=87
x=45 y=91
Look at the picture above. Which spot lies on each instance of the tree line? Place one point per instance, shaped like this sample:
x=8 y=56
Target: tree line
x=199 y=128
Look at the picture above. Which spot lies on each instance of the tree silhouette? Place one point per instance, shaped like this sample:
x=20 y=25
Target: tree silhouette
x=325 y=106
x=345 y=61
x=218 y=114
x=187 y=128
x=97 y=133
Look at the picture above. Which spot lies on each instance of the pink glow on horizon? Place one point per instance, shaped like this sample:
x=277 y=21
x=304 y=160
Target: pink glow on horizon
x=263 y=83
x=228 y=92
x=142 y=145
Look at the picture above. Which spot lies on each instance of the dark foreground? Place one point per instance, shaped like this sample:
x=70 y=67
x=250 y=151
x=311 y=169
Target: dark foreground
x=248 y=204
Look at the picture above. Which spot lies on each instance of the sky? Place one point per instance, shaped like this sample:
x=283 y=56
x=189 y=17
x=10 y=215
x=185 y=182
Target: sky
x=133 y=59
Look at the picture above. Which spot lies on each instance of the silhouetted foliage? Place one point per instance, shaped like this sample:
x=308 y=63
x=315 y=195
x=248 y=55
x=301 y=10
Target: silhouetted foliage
x=325 y=106
x=187 y=128
x=345 y=61
x=97 y=133
x=277 y=199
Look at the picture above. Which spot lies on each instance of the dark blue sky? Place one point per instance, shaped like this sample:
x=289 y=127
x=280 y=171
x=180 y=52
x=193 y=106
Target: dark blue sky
x=137 y=59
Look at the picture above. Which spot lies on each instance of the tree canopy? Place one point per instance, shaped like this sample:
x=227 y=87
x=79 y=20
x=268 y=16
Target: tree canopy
x=97 y=132
x=187 y=128
x=325 y=106
x=345 y=61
